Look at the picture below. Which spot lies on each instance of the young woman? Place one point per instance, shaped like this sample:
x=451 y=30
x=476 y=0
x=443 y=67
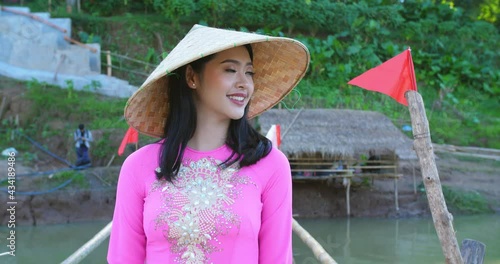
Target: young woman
x=212 y=190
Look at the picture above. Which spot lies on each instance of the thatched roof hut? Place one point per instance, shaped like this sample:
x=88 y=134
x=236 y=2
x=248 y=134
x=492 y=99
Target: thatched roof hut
x=336 y=133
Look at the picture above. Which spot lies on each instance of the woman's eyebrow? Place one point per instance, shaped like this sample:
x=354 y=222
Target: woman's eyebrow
x=236 y=62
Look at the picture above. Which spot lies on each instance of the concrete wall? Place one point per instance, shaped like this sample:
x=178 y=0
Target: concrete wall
x=30 y=50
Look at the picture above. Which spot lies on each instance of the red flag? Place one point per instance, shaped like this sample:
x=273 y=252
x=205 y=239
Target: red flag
x=278 y=135
x=130 y=137
x=393 y=77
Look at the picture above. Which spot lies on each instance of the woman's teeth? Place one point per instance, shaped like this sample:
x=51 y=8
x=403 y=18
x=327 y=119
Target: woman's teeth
x=237 y=98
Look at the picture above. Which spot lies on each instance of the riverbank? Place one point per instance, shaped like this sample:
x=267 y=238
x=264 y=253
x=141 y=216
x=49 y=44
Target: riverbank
x=91 y=194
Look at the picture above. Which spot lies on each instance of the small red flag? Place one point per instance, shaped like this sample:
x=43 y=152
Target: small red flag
x=131 y=136
x=278 y=135
x=393 y=77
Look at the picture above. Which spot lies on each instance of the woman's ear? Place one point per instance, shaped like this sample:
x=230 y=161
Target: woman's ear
x=190 y=77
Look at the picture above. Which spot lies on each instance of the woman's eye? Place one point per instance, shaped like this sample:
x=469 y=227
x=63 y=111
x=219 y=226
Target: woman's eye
x=251 y=73
x=230 y=70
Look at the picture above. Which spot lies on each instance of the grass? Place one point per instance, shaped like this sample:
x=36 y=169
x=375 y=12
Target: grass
x=470 y=164
x=461 y=201
x=78 y=180
x=466 y=202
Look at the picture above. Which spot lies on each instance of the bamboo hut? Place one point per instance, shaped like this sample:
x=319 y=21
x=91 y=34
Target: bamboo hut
x=337 y=133
x=332 y=144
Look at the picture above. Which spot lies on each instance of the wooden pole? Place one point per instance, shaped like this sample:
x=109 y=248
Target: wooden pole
x=34 y=17
x=88 y=247
x=319 y=252
x=2 y=106
x=108 y=60
x=414 y=179
x=396 y=192
x=93 y=50
x=346 y=181
x=110 y=160
x=473 y=251
x=423 y=146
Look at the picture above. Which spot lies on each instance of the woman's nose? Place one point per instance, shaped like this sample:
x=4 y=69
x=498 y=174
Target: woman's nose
x=244 y=81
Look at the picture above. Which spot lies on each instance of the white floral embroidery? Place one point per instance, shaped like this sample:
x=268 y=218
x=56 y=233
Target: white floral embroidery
x=195 y=208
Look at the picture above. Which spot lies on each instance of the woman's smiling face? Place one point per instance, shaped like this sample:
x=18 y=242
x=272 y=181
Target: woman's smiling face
x=225 y=86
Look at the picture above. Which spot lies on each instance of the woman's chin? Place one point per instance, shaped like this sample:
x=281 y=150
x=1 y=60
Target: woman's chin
x=237 y=116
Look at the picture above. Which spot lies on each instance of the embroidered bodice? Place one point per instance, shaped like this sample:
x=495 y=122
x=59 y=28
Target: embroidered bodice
x=208 y=214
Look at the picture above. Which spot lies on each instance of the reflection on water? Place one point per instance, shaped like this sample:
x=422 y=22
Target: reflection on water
x=394 y=241
x=54 y=243
x=347 y=240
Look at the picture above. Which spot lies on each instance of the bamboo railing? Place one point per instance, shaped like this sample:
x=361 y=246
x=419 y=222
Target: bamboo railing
x=88 y=247
x=319 y=252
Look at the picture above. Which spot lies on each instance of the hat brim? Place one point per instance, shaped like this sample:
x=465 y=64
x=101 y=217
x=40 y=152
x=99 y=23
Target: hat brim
x=279 y=64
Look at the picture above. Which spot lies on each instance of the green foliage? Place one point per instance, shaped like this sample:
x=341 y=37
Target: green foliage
x=454 y=49
x=466 y=202
x=102 y=149
x=463 y=202
x=490 y=11
x=88 y=38
x=93 y=109
x=78 y=180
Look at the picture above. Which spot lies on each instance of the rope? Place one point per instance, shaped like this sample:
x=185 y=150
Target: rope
x=291 y=123
x=38 y=174
x=64 y=184
x=44 y=149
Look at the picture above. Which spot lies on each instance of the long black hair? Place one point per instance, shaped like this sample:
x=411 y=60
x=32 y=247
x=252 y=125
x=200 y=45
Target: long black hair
x=247 y=144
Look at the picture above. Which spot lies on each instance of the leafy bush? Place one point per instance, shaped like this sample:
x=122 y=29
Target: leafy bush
x=466 y=202
x=454 y=49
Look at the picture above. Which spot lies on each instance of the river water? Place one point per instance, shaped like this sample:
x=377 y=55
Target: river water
x=358 y=240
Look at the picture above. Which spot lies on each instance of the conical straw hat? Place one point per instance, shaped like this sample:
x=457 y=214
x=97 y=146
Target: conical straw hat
x=279 y=64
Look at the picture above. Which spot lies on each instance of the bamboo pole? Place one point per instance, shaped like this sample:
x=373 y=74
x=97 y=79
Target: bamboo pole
x=108 y=60
x=127 y=70
x=291 y=123
x=423 y=146
x=2 y=106
x=34 y=17
x=111 y=160
x=319 y=252
x=347 y=184
x=130 y=59
x=93 y=50
x=88 y=247
x=396 y=194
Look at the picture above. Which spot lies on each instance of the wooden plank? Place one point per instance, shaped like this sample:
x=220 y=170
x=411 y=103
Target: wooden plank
x=323 y=162
x=375 y=167
x=379 y=175
x=320 y=178
x=473 y=251
x=343 y=170
x=338 y=176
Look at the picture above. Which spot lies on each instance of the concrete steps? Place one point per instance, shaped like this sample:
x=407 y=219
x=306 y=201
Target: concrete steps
x=30 y=49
